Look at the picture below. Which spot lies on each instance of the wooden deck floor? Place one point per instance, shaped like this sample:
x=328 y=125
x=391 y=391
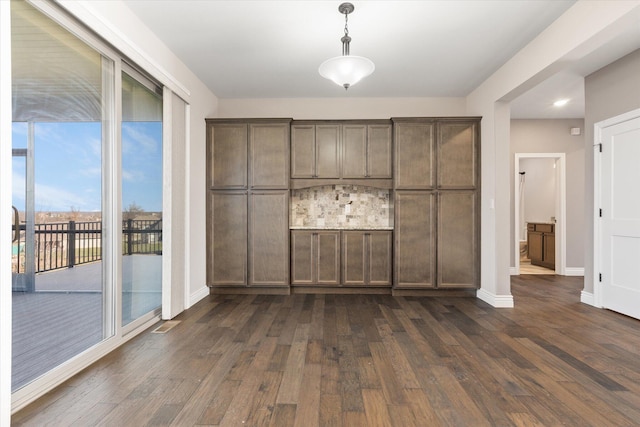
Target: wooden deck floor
x=367 y=361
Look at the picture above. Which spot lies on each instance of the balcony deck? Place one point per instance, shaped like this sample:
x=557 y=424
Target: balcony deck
x=64 y=316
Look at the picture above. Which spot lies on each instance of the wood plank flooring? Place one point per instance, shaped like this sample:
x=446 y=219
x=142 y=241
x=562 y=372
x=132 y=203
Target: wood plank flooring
x=346 y=360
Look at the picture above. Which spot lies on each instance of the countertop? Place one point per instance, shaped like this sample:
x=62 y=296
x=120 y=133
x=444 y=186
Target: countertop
x=305 y=227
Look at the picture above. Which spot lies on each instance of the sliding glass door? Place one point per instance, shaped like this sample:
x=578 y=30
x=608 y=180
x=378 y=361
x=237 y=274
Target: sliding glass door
x=62 y=112
x=141 y=196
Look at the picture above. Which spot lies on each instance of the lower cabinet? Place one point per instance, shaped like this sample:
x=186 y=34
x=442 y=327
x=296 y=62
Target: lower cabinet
x=248 y=238
x=315 y=257
x=541 y=243
x=366 y=258
x=341 y=258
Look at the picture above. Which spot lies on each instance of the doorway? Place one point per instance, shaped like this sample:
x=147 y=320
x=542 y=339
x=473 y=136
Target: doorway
x=556 y=222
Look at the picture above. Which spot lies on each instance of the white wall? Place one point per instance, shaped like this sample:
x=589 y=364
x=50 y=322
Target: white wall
x=552 y=136
x=539 y=189
x=611 y=91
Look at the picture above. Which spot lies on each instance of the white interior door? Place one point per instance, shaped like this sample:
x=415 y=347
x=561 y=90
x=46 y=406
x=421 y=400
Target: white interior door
x=620 y=217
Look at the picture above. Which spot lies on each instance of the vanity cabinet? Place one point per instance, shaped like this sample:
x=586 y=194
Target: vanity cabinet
x=248 y=203
x=344 y=150
x=315 y=257
x=541 y=243
x=366 y=258
x=437 y=215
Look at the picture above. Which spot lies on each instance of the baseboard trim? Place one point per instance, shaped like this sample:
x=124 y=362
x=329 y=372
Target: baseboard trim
x=587 y=298
x=198 y=295
x=513 y=271
x=574 y=271
x=497 y=301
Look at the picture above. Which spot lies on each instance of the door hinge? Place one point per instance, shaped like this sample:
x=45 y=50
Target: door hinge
x=600 y=277
x=600 y=212
x=600 y=147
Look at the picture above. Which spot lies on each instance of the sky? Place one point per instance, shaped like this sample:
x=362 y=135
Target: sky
x=69 y=171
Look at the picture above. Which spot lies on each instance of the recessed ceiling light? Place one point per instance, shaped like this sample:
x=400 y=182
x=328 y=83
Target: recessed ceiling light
x=560 y=102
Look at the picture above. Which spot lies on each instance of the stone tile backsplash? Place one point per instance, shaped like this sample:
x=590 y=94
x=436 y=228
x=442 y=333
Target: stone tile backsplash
x=341 y=207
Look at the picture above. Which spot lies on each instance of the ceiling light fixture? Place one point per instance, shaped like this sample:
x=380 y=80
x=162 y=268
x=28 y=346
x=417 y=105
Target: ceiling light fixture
x=560 y=102
x=346 y=70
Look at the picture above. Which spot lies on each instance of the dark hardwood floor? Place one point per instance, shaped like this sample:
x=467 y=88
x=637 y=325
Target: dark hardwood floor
x=345 y=360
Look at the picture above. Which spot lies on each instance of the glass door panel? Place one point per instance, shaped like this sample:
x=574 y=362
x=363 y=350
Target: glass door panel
x=141 y=197
x=59 y=146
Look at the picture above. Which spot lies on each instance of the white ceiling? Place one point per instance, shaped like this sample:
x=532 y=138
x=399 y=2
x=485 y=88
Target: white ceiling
x=272 y=49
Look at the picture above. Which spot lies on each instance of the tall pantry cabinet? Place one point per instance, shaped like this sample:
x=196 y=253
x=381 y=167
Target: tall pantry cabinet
x=437 y=195
x=248 y=203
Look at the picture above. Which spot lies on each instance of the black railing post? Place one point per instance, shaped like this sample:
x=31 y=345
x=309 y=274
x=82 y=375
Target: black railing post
x=129 y=236
x=71 y=241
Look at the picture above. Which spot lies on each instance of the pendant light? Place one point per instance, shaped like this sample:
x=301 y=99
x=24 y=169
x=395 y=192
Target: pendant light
x=346 y=70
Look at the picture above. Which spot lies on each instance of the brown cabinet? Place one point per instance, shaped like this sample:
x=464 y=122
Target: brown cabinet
x=227 y=239
x=414 y=250
x=366 y=258
x=366 y=151
x=315 y=257
x=341 y=150
x=269 y=238
x=269 y=155
x=437 y=217
x=414 y=144
x=541 y=244
x=227 y=155
x=248 y=203
x=315 y=151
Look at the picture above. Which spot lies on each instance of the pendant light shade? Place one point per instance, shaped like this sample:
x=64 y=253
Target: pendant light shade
x=346 y=70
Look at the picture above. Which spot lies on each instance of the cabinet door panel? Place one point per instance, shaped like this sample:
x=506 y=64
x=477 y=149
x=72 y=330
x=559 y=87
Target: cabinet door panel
x=269 y=239
x=549 y=245
x=227 y=153
x=379 y=151
x=534 y=247
x=414 y=145
x=328 y=257
x=415 y=240
x=379 y=255
x=353 y=258
x=457 y=155
x=457 y=240
x=227 y=248
x=327 y=151
x=302 y=257
x=269 y=148
x=303 y=152
x=354 y=148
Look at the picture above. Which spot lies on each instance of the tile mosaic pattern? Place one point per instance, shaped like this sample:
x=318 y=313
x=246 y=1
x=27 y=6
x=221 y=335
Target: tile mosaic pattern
x=341 y=207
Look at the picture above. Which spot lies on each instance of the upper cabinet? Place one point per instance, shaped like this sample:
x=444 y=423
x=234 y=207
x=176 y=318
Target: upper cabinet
x=248 y=154
x=366 y=151
x=345 y=150
x=457 y=154
x=227 y=155
x=269 y=155
x=414 y=154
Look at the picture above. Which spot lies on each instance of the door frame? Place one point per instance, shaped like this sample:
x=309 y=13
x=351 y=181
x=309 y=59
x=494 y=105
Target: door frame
x=597 y=184
x=561 y=209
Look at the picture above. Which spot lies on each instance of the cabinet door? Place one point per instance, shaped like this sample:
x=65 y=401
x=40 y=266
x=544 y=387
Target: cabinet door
x=414 y=145
x=379 y=151
x=354 y=261
x=354 y=151
x=269 y=238
x=302 y=257
x=269 y=155
x=327 y=151
x=227 y=156
x=534 y=246
x=414 y=252
x=549 y=246
x=457 y=240
x=457 y=154
x=227 y=243
x=303 y=151
x=379 y=258
x=327 y=260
